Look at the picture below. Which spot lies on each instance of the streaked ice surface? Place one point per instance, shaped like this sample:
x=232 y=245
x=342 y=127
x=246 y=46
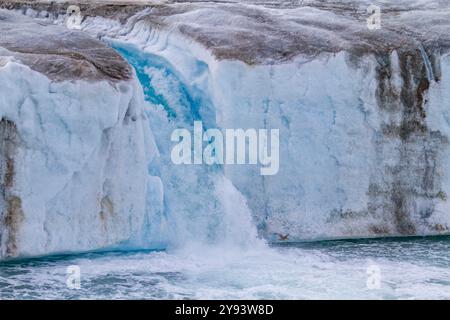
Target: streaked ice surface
x=411 y=268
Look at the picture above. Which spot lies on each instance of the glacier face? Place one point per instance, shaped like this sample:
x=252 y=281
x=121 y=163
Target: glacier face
x=364 y=147
x=362 y=118
x=72 y=149
x=351 y=165
x=71 y=152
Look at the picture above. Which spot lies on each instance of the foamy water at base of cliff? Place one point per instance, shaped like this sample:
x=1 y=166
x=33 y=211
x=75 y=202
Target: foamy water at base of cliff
x=416 y=268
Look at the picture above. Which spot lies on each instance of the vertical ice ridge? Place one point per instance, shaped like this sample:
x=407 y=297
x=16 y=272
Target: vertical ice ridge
x=427 y=64
x=71 y=163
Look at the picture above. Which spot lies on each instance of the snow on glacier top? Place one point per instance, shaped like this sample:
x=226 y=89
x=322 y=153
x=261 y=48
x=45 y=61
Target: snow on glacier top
x=58 y=52
x=260 y=34
x=270 y=31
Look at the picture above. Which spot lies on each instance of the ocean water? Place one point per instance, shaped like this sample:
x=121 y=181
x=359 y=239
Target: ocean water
x=407 y=268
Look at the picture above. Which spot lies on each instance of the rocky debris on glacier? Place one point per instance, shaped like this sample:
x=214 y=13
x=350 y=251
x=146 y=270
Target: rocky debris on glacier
x=59 y=53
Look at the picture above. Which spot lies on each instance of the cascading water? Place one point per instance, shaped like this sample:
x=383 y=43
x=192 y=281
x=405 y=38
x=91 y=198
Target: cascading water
x=216 y=213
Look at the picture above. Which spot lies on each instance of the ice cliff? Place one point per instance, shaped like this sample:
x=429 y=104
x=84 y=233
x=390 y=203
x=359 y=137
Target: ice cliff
x=363 y=118
x=74 y=141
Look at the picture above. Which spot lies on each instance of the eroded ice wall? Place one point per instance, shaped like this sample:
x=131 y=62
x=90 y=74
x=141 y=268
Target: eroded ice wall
x=74 y=142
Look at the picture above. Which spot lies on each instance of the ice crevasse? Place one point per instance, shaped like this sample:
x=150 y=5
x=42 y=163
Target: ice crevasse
x=363 y=119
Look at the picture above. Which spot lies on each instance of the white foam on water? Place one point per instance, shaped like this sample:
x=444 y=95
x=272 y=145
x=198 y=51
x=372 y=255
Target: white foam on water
x=410 y=269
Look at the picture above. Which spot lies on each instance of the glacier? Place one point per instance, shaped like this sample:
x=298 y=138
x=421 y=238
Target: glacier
x=362 y=115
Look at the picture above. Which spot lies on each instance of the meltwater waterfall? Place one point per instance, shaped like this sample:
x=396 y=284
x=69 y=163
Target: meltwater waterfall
x=216 y=212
